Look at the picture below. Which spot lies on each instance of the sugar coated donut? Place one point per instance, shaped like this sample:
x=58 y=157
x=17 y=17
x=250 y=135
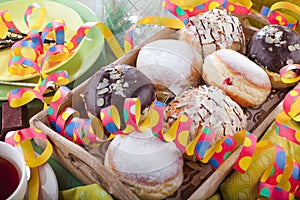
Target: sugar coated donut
x=241 y=79
x=171 y=65
x=150 y=167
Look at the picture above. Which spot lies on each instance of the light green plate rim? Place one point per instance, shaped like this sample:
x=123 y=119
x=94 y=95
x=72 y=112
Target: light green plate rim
x=88 y=53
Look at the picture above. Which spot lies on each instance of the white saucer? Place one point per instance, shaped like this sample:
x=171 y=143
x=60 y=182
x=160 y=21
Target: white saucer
x=48 y=182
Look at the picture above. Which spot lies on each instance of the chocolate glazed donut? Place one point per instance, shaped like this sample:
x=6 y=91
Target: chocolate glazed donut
x=273 y=47
x=113 y=84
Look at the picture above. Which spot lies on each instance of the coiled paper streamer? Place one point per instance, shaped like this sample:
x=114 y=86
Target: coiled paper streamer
x=22 y=96
x=276 y=17
x=183 y=10
x=31 y=54
x=287 y=121
x=23 y=138
x=280 y=180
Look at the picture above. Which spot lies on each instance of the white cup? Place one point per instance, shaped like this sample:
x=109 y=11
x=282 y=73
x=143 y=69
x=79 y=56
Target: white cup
x=14 y=156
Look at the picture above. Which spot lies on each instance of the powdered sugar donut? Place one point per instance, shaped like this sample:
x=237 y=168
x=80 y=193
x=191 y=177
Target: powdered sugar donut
x=151 y=168
x=241 y=79
x=171 y=65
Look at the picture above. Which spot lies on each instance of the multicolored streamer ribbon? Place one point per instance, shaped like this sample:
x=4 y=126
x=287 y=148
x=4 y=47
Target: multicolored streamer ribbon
x=31 y=54
x=68 y=123
x=183 y=10
x=23 y=138
x=290 y=73
x=22 y=96
x=276 y=17
x=282 y=179
x=287 y=120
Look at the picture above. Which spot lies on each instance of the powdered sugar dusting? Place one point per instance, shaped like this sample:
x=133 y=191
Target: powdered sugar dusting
x=244 y=67
x=143 y=157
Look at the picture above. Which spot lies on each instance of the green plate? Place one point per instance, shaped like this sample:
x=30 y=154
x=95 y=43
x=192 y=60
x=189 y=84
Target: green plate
x=88 y=51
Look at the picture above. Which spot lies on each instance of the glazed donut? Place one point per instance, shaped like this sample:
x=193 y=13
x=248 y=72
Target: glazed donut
x=207 y=106
x=171 y=65
x=150 y=167
x=112 y=84
x=241 y=79
x=273 y=47
x=213 y=30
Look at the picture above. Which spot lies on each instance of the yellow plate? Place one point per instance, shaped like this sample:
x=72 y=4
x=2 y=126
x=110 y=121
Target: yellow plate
x=54 y=11
x=74 y=15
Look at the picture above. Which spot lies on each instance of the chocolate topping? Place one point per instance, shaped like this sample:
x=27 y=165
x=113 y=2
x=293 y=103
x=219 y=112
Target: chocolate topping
x=274 y=46
x=213 y=30
x=13 y=119
x=113 y=83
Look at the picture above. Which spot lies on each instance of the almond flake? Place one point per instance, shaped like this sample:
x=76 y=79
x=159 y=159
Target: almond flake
x=103 y=91
x=100 y=102
x=291 y=48
x=269 y=40
x=289 y=61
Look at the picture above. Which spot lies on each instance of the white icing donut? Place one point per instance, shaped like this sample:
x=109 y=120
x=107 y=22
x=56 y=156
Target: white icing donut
x=213 y=30
x=207 y=106
x=151 y=168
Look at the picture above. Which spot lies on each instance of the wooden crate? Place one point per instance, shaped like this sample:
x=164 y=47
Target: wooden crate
x=200 y=180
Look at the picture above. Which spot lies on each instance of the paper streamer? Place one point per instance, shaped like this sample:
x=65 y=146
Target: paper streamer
x=22 y=96
x=22 y=137
x=31 y=53
x=221 y=151
x=276 y=17
x=183 y=10
x=290 y=73
x=17 y=137
x=286 y=121
x=68 y=123
x=246 y=156
x=291 y=104
x=282 y=179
